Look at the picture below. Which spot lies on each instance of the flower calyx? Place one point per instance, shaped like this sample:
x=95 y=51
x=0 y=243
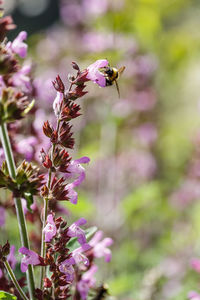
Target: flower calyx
x=27 y=183
x=4 y=251
x=14 y=105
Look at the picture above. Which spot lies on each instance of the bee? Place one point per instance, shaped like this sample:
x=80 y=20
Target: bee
x=111 y=75
x=102 y=292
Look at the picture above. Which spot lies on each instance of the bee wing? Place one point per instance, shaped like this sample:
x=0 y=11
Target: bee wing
x=121 y=70
x=117 y=86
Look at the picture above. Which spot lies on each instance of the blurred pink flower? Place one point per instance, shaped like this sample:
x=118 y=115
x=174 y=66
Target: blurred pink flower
x=97 y=42
x=11 y=257
x=193 y=295
x=21 y=78
x=45 y=91
x=195 y=264
x=26 y=147
x=87 y=282
x=100 y=247
x=71 y=13
x=147 y=134
x=188 y=191
x=144 y=100
x=18 y=46
x=95 y=7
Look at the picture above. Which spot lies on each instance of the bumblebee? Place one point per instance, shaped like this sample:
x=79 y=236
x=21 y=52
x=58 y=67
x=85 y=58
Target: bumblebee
x=102 y=292
x=111 y=75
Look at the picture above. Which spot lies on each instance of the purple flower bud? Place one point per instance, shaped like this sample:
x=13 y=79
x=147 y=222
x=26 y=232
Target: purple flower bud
x=18 y=46
x=50 y=229
x=100 y=247
x=75 y=231
x=30 y=258
x=95 y=75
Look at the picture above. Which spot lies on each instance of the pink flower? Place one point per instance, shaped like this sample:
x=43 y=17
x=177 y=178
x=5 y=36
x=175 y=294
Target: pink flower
x=72 y=194
x=30 y=258
x=95 y=8
x=87 y=282
x=50 y=229
x=75 y=169
x=100 y=247
x=75 y=231
x=67 y=268
x=79 y=258
x=71 y=14
x=11 y=257
x=147 y=134
x=22 y=80
x=95 y=75
x=195 y=264
x=18 y=46
x=26 y=147
x=193 y=295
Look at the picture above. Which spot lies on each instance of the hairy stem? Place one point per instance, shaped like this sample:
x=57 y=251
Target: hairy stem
x=43 y=246
x=14 y=280
x=20 y=214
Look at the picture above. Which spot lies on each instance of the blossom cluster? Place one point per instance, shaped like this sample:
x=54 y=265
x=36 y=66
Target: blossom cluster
x=75 y=266
x=65 y=249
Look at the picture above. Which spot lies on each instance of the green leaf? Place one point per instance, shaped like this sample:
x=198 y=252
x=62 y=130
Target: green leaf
x=29 y=200
x=73 y=244
x=7 y=296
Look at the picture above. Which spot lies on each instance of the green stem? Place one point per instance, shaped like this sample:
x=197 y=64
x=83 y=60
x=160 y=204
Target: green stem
x=14 y=280
x=43 y=245
x=20 y=214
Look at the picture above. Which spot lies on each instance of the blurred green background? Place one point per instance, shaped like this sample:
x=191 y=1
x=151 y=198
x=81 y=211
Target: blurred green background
x=142 y=186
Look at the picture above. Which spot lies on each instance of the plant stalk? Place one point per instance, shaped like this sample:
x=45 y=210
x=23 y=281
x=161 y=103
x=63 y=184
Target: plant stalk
x=43 y=245
x=14 y=280
x=20 y=214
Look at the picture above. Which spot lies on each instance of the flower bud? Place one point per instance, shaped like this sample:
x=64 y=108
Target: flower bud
x=47 y=283
x=75 y=66
x=59 y=85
